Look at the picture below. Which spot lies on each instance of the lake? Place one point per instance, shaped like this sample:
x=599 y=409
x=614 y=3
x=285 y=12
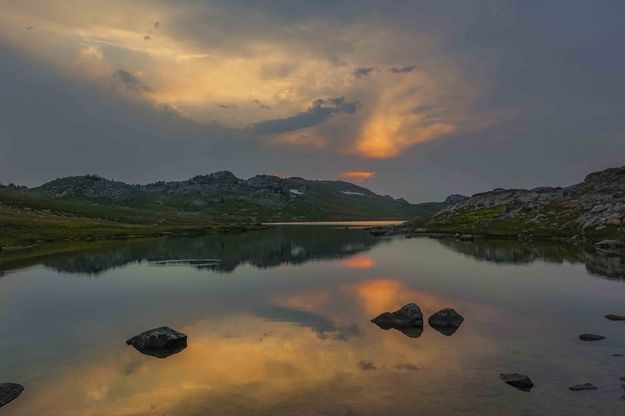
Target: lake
x=278 y=323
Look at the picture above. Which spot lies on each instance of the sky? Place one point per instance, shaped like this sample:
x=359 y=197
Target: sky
x=417 y=99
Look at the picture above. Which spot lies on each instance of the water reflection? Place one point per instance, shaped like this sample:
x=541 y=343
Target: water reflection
x=290 y=340
x=219 y=252
x=598 y=263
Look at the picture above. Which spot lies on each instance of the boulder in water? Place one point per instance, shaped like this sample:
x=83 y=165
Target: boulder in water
x=408 y=320
x=519 y=381
x=9 y=392
x=159 y=342
x=591 y=337
x=585 y=386
x=615 y=317
x=446 y=321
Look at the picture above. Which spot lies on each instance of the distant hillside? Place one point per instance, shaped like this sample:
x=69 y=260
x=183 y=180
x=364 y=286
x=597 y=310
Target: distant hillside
x=593 y=209
x=27 y=220
x=222 y=196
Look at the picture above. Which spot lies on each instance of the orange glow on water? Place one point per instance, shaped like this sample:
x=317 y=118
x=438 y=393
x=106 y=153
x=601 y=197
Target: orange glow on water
x=358 y=262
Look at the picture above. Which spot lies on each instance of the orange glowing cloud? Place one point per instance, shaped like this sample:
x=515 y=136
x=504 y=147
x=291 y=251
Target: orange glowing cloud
x=358 y=175
x=358 y=262
x=379 y=295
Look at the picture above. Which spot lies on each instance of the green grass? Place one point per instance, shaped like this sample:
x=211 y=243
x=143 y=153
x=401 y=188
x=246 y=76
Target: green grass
x=27 y=220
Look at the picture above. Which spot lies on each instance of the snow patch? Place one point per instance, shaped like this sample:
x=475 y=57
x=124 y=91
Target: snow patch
x=296 y=192
x=352 y=193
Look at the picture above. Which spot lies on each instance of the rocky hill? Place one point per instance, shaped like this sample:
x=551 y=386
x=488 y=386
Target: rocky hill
x=593 y=209
x=221 y=195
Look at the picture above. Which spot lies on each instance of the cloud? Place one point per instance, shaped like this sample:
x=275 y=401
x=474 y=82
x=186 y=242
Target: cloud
x=361 y=72
x=129 y=82
x=262 y=105
x=147 y=37
x=403 y=70
x=321 y=325
x=358 y=176
x=320 y=111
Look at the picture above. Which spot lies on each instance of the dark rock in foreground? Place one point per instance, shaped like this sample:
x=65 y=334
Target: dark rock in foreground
x=591 y=337
x=408 y=320
x=585 y=386
x=446 y=321
x=615 y=317
x=9 y=392
x=519 y=381
x=159 y=342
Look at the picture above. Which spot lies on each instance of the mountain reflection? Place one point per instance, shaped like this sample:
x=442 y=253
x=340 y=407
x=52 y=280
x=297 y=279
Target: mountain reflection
x=218 y=252
x=609 y=265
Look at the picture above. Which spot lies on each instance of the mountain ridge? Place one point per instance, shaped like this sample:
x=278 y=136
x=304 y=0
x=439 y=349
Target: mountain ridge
x=223 y=195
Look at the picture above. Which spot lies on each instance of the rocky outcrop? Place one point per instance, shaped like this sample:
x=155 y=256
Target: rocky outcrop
x=9 y=392
x=593 y=209
x=159 y=342
x=408 y=320
x=446 y=321
x=519 y=381
x=615 y=317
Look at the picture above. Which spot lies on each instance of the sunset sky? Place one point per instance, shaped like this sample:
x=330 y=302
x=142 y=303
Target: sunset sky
x=417 y=99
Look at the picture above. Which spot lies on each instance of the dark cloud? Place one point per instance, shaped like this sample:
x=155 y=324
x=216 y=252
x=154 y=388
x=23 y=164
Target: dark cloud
x=147 y=37
x=361 y=72
x=157 y=24
x=320 y=111
x=227 y=106
x=261 y=105
x=403 y=70
x=366 y=365
x=125 y=80
x=319 y=324
x=554 y=75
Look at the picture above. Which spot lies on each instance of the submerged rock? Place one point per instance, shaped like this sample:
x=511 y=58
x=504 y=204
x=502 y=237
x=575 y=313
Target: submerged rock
x=615 y=317
x=159 y=342
x=446 y=321
x=591 y=337
x=9 y=392
x=519 y=381
x=408 y=320
x=585 y=386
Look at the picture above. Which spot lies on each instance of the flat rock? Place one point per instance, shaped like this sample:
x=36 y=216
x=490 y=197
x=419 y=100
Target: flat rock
x=9 y=392
x=585 y=386
x=446 y=321
x=519 y=381
x=408 y=320
x=615 y=317
x=591 y=337
x=159 y=342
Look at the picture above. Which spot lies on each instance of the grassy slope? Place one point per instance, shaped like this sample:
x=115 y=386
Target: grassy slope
x=26 y=219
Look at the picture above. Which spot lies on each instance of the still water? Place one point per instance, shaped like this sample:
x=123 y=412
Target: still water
x=278 y=324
